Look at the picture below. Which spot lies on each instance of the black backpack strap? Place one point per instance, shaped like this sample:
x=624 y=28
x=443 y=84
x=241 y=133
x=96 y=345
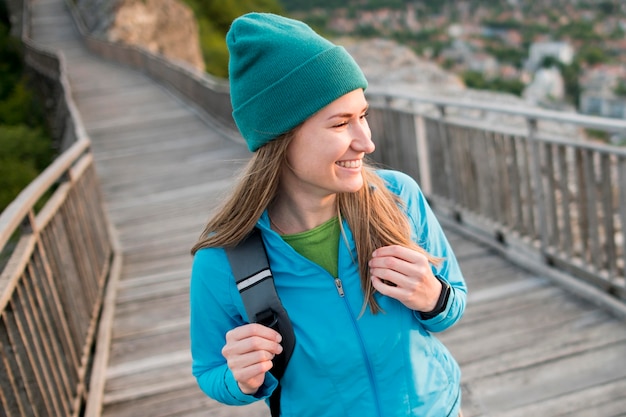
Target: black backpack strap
x=248 y=261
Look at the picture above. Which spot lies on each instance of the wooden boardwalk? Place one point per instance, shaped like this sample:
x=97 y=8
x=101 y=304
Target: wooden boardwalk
x=526 y=347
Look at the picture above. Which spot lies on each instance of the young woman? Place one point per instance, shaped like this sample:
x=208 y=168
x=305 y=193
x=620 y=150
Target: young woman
x=360 y=262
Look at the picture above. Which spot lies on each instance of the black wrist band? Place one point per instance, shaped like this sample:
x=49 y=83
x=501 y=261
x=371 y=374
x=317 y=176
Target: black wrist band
x=442 y=302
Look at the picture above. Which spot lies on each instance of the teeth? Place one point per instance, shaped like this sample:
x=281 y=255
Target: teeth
x=350 y=164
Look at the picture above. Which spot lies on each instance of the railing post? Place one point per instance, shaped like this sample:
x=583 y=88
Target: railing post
x=448 y=169
x=538 y=189
x=621 y=166
x=423 y=155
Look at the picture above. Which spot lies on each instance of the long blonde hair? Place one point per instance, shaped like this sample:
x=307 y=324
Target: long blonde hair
x=373 y=213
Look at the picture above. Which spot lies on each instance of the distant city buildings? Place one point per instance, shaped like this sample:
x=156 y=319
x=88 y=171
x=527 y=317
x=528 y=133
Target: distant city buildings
x=466 y=39
x=562 y=52
x=546 y=87
x=600 y=95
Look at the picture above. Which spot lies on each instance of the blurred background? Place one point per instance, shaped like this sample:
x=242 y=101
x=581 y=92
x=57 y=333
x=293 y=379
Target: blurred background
x=558 y=54
x=492 y=106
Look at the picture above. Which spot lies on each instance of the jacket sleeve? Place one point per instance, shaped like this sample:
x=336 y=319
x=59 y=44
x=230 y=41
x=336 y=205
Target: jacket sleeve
x=214 y=310
x=427 y=232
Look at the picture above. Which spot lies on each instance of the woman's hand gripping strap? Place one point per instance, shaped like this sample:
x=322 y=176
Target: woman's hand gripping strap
x=255 y=283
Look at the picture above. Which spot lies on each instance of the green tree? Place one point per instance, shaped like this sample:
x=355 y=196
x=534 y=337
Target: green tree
x=592 y=55
x=510 y=86
x=608 y=8
x=620 y=88
x=25 y=145
x=476 y=80
x=583 y=31
x=21 y=106
x=24 y=153
x=505 y=54
x=10 y=60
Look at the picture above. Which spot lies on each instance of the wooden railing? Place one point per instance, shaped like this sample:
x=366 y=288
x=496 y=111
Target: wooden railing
x=57 y=254
x=527 y=180
x=209 y=95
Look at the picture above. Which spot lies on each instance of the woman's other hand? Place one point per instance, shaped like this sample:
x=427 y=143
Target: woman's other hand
x=249 y=351
x=405 y=274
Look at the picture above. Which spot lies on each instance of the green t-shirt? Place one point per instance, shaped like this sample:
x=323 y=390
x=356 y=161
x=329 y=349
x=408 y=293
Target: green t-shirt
x=320 y=245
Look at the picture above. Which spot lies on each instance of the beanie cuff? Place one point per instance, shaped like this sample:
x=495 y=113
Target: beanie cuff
x=304 y=91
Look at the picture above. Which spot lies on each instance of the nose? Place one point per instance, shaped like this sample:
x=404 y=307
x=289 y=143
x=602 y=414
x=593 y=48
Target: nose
x=362 y=138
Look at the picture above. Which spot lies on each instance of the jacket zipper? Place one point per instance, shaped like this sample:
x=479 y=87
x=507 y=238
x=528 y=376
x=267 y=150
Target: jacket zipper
x=368 y=364
x=339 y=286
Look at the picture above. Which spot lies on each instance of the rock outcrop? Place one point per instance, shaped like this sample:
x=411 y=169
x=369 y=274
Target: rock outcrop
x=165 y=27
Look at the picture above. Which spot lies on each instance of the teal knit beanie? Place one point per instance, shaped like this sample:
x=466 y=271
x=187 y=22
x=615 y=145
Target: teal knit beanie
x=281 y=72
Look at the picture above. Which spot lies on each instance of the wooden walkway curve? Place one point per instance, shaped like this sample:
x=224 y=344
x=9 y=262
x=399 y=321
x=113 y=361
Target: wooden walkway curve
x=526 y=347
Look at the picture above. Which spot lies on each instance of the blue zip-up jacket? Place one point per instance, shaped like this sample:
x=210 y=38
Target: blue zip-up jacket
x=375 y=365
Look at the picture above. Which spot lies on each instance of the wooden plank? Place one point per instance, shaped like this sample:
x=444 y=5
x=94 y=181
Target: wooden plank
x=591 y=200
x=516 y=192
x=567 y=333
x=467 y=154
x=55 y=360
x=489 y=171
x=184 y=401
x=526 y=188
x=153 y=381
x=70 y=307
x=73 y=244
x=167 y=313
x=96 y=222
x=25 y=372
x=14 y=396
x=409 y=157
x=538 y=202
x=609 y=252
x=621 y=164
x=73 y=307
x=151 y=344
x=582 y=206
x=100 y=362
x=434 y=146
x=446 y=149
x=56 y=325
x=566 y=243
x=56 y=312
x=39 y=340
x=501 y=179
x=559 y=376
x=394 y=143
x=601 y=400
x=552 y=220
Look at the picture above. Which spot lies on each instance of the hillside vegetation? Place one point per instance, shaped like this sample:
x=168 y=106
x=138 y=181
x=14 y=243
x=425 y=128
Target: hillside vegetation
x=214 y=18
x=25 y=144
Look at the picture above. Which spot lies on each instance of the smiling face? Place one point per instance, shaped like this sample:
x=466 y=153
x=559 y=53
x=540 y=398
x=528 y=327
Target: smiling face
x=326 y=154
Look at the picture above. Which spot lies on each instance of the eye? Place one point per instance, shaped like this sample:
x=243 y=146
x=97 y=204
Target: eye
x=341 y=124
x=364 y=115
